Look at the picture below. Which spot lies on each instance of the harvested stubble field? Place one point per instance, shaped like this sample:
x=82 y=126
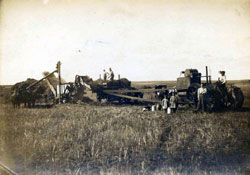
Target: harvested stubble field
x=112 y=139
x=102 y=139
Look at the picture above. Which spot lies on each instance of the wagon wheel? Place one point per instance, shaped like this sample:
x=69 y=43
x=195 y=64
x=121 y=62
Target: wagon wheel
x=110 y=99
x=121 y=100
x=126 y=100
x=98 y=98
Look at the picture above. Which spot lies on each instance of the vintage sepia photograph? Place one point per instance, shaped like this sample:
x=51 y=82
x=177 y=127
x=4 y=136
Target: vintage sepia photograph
x=128 y=87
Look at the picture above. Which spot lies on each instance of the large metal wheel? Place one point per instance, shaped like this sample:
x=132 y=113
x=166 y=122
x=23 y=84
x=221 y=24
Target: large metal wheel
x=126 y=100
x=237 y=97
x=212 y=100
x=99 y=97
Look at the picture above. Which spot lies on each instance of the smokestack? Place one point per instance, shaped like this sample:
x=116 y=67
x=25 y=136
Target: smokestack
x=58 y=66
x=206 y=74
x=210 y=78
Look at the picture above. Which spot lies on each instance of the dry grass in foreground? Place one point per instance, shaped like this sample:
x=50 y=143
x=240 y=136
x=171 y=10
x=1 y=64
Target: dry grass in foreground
x=88 y=139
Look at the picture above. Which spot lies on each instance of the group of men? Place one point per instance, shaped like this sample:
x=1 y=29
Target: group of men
x=108 y=75
x=168 y=104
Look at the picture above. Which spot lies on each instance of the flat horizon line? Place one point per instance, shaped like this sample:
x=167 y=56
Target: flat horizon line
x=149 y=81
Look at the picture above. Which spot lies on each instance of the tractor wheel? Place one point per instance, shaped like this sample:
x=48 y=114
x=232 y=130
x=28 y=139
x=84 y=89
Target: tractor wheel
x=212 y=100
x=210 y=104
x=237 y=97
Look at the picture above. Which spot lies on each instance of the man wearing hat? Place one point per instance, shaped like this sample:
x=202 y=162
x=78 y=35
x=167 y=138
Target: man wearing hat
x=105 y=74
x=222 y=85
x=222 y=78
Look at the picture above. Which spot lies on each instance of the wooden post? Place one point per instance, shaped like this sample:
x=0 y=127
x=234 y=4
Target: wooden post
x=206 y=75
x=51 y=87
x=58 y=66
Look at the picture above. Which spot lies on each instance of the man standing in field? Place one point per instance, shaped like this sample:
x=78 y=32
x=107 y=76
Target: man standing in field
x=173 y=102
x=201 y=92
x=164 y=103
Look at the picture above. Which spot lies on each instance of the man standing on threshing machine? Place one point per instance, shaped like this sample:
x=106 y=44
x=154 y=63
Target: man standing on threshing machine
x=105 y=74
x=201 y=92
x=111 y=75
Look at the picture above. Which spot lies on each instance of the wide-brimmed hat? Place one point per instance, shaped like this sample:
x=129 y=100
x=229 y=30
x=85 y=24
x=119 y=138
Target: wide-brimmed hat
x=222 y=72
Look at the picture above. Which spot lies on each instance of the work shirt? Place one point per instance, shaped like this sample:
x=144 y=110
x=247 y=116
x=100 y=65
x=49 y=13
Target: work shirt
x=202 y=91
x=173 y=101
x=111 y=75
x=164 y=103
x=105 y=74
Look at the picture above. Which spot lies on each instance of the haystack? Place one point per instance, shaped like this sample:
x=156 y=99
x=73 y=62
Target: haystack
x=53 y=79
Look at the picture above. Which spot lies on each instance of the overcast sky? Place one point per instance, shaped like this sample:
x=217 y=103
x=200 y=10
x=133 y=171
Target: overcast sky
x=140 y=40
